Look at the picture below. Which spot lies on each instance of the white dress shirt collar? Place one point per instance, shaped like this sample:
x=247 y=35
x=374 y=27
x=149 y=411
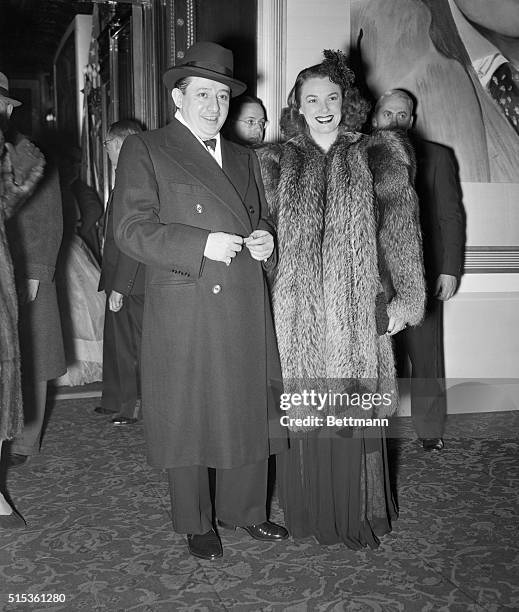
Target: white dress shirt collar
x=217 y=153
x=484 y=56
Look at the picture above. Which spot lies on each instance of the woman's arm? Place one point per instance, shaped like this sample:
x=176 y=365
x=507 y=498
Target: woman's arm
x=391 y=162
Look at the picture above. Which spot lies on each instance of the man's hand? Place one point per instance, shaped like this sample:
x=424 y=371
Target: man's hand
x=115 y=301
x=28 y=290
x=395 y=325
x=222 y=247
x=445 y=287
x=260 y=244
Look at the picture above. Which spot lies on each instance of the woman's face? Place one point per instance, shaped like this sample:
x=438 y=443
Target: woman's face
x=321 y=105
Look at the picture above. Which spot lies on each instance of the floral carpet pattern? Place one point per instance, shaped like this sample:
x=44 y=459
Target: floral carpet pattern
x=99 y=531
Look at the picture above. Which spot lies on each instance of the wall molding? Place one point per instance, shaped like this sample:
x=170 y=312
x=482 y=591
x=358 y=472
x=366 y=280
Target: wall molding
x=271 y=49
x=491 y=259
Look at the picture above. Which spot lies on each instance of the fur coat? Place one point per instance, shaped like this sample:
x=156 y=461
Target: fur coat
x=20 y=170
x=347 y=227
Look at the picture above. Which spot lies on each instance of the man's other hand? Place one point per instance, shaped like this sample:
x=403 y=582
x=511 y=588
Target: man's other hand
x=260 y=244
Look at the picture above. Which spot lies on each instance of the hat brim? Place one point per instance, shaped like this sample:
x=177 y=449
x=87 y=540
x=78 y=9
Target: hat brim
x=10 y=100
x=176 y=73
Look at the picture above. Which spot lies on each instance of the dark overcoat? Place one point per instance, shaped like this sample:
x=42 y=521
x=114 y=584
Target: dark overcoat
x=118 y=271
x=441 y=210
x=34 y=236
x=210 y=365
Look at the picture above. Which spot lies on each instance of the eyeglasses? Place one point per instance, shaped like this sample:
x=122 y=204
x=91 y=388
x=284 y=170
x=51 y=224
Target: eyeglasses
x=250 y=123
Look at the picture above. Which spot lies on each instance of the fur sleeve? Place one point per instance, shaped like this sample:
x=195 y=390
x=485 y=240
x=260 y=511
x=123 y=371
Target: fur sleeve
x=25 y=163
x=269 y=157
x=391 y=161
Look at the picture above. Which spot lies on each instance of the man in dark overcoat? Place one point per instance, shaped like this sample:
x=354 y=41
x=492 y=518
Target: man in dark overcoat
x=122 y=279
x=190 y=205
x=443 y=234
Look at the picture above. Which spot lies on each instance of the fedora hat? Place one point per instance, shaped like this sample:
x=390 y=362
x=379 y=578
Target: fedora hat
x=4 y=90
x=207 y=60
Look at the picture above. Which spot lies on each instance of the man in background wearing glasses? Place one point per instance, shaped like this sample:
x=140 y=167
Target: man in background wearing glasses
x=247 y=121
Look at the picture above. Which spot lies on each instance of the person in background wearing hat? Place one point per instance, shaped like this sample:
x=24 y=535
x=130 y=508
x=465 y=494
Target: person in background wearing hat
x=34 y=236
x=190 y=205
x=21 y=168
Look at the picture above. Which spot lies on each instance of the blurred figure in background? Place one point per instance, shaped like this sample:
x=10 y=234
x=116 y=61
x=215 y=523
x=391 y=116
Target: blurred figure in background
x=122 y=279
x=21 y=168
x=90 y=208
x=77 y=276
x=247 y=121
x=34 y=236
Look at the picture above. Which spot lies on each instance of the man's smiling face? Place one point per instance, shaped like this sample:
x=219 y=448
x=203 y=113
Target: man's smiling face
x=204 y=105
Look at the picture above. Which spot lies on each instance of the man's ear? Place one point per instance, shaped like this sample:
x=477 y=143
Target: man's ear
x=177 y=96
x=374 y=122
x=9 y=109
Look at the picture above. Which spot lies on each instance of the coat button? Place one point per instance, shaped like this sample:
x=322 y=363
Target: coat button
x=251 y=210
x=217 y=289
x=199 y=209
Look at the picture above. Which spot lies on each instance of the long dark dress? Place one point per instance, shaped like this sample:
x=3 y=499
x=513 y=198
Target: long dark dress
x=337 y=488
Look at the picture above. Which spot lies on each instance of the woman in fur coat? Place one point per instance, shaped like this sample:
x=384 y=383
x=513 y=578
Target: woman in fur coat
x=21 y=168
x=349 y=277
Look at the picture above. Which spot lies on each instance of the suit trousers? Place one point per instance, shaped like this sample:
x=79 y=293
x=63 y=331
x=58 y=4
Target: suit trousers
x=121 y=356
x=240 y=496
x=423 y=345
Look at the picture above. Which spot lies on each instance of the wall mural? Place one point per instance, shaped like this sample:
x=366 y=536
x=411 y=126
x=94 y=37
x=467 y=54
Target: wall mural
x=460 y=59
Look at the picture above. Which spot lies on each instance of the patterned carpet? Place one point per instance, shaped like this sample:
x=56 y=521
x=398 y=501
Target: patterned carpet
x=99 y=531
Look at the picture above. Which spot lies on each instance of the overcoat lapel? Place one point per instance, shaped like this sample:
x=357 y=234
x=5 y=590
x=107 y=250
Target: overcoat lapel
x=185 y=151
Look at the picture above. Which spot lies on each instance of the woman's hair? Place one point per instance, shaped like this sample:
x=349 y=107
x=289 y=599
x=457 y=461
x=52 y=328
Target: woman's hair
x=334 y=66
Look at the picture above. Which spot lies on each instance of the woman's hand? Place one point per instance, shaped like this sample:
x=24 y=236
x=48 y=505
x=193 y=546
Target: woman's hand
x=395 y=325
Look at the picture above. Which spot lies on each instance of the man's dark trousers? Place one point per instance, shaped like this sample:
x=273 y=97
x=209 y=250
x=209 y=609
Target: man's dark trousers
x=239 y=499
x=424 y=346
x=121 y=350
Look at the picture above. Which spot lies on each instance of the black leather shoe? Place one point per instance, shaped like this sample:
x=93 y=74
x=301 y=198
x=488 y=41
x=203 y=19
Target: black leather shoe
x=433 y=444
x=15 y=460
x=101 y=410
x=122 y=420
x=264 y=532
x=205 y=546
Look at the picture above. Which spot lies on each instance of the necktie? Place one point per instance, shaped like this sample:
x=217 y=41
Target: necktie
x=504 y=88
x=211 y=144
